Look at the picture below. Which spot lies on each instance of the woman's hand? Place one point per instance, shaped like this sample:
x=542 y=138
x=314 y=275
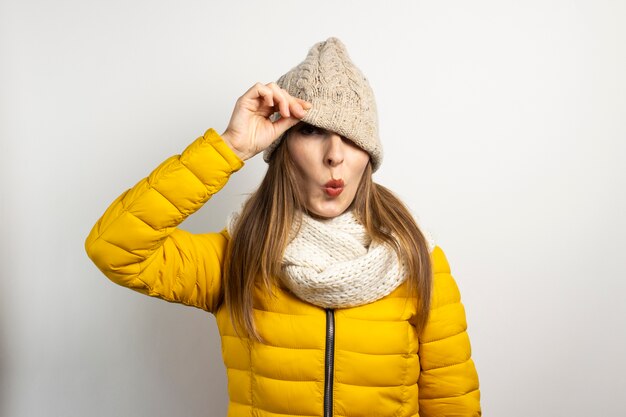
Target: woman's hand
x=250 y=129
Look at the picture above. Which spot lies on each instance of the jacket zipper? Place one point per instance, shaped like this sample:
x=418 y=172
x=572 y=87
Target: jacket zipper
x=330 y=363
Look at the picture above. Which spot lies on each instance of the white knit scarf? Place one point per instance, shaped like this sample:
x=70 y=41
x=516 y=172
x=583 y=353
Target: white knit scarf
x=333 y=263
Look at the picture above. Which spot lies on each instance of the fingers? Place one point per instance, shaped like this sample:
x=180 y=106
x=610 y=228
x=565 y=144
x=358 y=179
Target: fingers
x=281 y=99
x=260 y=92
x=290 y=106
x=299 y=107
x=278 y=100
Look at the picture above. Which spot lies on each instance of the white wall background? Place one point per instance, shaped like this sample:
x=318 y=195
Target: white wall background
x=504 y=126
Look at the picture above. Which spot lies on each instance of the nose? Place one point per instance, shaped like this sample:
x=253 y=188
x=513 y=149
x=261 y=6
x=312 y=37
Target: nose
x=334 y=150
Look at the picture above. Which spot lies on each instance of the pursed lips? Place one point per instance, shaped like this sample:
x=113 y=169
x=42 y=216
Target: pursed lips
x=334 y=187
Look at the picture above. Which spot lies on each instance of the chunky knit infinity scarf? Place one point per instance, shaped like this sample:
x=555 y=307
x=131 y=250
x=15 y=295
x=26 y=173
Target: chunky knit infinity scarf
x=334 y=263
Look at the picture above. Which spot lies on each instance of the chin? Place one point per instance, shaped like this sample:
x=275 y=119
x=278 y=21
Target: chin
x=327 y=212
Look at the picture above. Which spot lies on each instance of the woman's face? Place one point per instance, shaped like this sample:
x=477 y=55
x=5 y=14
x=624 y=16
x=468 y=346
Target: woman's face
x=330 y=168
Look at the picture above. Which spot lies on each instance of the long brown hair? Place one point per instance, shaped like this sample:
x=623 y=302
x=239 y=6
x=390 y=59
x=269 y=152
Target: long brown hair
x=261 y=233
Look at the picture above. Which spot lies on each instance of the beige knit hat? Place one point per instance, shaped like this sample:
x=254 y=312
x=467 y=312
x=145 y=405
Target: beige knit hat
x=341 y=97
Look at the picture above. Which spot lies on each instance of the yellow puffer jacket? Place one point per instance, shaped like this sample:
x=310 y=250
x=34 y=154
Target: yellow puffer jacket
x=363 y=361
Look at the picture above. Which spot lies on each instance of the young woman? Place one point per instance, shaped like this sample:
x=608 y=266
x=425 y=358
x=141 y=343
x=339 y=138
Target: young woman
x=329 y=299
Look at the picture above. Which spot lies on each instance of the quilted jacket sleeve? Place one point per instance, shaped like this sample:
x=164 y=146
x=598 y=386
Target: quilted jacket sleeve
x=448 y=382
x=136 y=242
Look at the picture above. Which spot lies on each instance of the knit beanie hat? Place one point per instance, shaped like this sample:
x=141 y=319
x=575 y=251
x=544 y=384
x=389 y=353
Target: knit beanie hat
x=341 y=97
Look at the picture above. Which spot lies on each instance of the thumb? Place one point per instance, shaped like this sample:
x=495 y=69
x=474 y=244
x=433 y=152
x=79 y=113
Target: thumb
x=283 y=124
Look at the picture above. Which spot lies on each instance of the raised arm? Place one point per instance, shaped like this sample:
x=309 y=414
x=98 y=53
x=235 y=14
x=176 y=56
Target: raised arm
x=137 y=244
x=448 y=382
